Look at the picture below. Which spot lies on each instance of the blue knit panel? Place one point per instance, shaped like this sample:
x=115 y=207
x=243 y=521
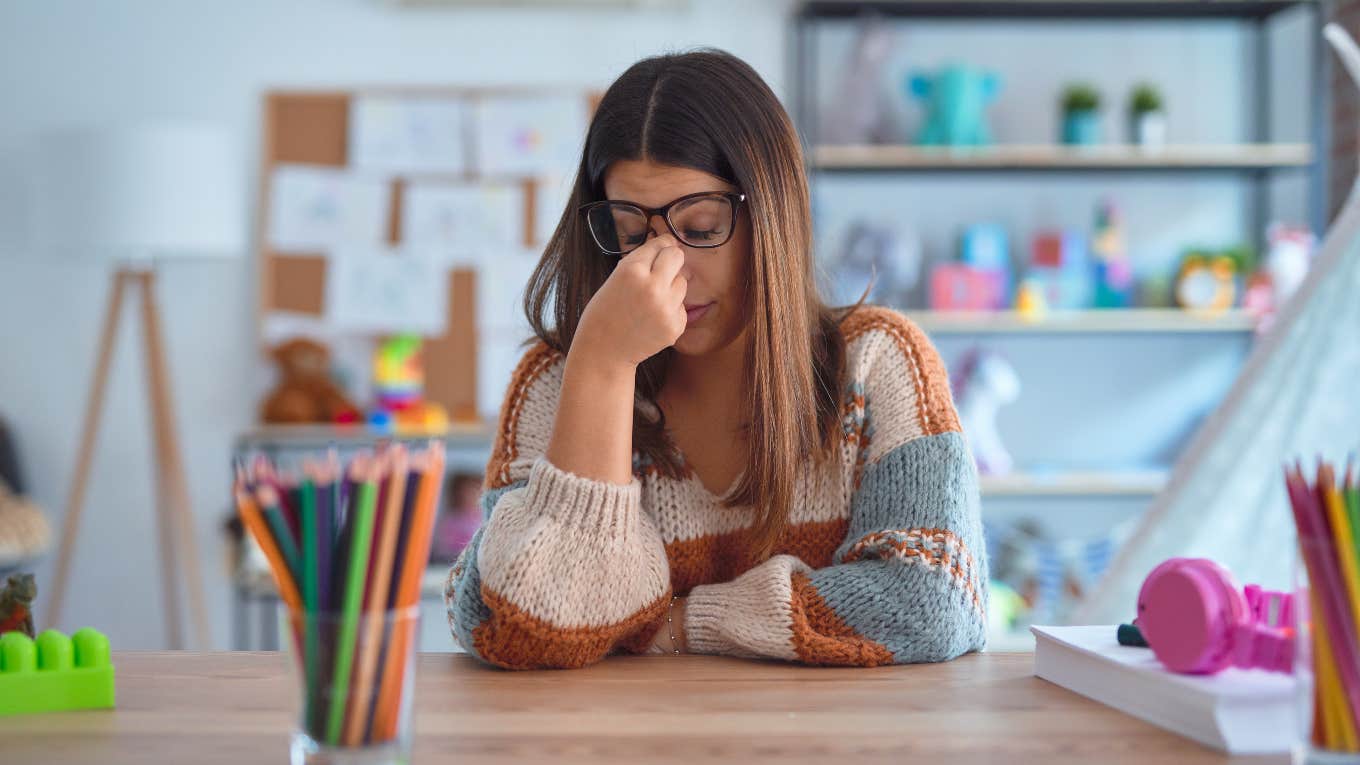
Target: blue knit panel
x=918 y=610
x=463 y=601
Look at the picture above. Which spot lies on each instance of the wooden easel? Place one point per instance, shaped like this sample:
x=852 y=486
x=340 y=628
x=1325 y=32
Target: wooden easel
x=174 y=519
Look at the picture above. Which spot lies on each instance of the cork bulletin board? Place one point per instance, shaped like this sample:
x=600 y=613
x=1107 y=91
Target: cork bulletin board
x=312 y=128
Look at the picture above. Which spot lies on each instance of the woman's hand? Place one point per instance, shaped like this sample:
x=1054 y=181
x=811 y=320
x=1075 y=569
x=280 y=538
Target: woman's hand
x=661 y=641
x=640 y=309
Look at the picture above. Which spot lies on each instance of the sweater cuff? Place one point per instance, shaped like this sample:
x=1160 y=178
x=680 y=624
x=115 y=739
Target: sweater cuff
x=748 y=616
x=594 y=506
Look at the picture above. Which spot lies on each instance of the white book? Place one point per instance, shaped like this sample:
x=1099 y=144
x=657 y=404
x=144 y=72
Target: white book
x=1241 y=711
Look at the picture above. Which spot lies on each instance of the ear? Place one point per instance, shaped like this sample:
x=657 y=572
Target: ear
x=920 y=85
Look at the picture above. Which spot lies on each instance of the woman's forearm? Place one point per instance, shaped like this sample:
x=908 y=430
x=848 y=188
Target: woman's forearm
x=592 y=433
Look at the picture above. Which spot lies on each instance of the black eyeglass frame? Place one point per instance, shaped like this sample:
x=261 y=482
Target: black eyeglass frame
x=734 y=197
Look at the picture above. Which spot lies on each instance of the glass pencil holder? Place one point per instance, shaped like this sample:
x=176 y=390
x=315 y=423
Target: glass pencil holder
x=355 y=676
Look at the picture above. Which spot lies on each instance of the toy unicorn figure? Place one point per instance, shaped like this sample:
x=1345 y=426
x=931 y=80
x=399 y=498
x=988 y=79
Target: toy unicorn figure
x=985 y=383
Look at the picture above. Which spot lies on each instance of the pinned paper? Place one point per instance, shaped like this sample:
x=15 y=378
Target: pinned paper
x=551 y=194
x=408 y=135
x=501 y=281
x=386 y=290
x=527 y=135
x=460 y=224
x=314 y=208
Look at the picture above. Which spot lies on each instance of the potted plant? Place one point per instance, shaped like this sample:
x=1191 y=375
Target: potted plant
x=1081 y=115
x=1147 y=120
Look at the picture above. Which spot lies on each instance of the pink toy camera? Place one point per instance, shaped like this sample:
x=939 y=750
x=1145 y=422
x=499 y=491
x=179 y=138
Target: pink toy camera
x=1196 y=620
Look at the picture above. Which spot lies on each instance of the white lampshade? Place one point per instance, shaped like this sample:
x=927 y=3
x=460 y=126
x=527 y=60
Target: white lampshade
x=163 y=191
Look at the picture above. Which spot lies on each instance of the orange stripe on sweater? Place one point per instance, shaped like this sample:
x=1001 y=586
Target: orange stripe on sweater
x=935 y=406
x=821 y=636
x=534 y=363
x=514 y=639
x=723 y=557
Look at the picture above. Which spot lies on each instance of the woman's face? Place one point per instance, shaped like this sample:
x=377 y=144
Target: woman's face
x=716 y=276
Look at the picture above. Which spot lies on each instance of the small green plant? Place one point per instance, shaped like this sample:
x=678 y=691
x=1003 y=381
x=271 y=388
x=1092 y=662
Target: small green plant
x=1145 y=98
x=1080 y=97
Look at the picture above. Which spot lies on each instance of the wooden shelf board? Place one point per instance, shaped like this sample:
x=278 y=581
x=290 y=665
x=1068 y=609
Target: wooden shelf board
x=1162 y=320
x=1057 y=157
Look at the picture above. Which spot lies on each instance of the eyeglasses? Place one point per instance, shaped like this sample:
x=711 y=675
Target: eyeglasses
x=705 y=219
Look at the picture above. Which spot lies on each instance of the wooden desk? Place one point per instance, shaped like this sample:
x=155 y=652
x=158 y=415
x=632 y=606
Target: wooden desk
x=234 y=707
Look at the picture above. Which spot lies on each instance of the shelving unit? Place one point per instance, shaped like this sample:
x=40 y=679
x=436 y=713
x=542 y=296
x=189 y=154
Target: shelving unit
x=1120 y=483
x=1255 y=162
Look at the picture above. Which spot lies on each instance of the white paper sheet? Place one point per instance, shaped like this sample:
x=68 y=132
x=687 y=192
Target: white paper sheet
x=459 y=223
x=501 y=280
x=408 y=134
x=380 y=290
x=529 y=135
x=314 y=208
x=551 y=194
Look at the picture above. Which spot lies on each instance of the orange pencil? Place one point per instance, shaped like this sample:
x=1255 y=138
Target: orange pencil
x=371 y=639
x=408 y=591
x=254 y=521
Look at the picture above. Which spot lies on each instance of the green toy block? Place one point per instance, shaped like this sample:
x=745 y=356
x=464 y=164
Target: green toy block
x=55 y=672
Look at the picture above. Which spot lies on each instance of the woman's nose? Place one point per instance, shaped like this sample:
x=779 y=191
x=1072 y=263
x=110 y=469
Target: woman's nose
x=657 y=227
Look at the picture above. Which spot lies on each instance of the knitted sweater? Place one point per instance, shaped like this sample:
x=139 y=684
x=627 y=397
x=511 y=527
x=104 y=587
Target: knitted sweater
x=882 y=561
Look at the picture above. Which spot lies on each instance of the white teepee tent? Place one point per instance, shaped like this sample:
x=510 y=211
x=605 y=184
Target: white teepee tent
x=1297 y=396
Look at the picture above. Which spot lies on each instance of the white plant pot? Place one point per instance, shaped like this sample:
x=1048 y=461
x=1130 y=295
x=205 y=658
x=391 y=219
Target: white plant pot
x=1149 y=130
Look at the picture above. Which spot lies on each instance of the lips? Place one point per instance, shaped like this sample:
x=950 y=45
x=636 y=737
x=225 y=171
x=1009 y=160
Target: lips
x=696 y=312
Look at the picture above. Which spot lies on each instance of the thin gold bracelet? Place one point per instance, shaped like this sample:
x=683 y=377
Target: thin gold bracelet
x=670 y=627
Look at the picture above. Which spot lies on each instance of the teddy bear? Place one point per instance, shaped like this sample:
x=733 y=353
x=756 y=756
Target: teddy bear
x=305 y=392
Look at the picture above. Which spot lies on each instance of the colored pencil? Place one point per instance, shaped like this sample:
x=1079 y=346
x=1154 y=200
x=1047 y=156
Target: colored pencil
x=361 y=521
x=268 y=498
x=254 y=522
x=376 y=605
x=417 y=556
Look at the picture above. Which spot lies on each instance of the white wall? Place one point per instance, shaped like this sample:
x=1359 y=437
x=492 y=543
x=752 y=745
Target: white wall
x=123 y=61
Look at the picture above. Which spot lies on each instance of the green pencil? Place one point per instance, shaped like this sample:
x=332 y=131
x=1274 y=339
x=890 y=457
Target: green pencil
x=361 y=518
x=268 y=498
x=310 y=595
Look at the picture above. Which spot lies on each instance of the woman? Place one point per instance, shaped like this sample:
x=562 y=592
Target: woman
x=698 y=455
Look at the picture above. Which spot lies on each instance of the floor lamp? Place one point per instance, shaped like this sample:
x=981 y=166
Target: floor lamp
x=135 y=198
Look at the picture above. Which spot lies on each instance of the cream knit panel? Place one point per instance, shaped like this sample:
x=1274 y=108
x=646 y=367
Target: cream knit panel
x=748 y=616
x=573 y=551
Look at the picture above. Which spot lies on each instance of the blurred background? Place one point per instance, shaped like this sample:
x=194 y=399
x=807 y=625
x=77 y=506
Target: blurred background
x=259 y=228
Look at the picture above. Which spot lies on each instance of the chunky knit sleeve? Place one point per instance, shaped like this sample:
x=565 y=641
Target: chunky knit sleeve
x=909 y=581
x=564 y=570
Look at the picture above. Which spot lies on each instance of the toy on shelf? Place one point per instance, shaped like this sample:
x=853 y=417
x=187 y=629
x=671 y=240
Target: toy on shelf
x=883 y=257
x=984 y=247
x=399 y=389
x=305 y=392
x=858 y=114
x=1061 y=266
x=55 y=672
x=956 y=101
x=959 y=287
x=16 y=604
x=984 y=383
x=460 y=519
x=1030 y=304
x=1285 y=268
x=1206 y=282
x=1113 y=274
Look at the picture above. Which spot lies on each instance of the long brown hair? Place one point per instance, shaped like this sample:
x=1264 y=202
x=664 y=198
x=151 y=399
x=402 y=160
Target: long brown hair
x=710 y=111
